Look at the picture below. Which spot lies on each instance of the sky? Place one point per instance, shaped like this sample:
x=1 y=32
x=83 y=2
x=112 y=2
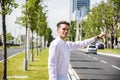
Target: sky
x=57 y=10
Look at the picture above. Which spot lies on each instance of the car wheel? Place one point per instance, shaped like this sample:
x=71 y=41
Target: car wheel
x=95 y=53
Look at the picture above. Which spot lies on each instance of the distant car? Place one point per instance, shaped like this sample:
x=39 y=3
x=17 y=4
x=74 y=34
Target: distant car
x=101 y=46
x=91 y=49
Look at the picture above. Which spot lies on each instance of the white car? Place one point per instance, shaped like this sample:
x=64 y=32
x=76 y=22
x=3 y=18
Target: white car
x=91 y=49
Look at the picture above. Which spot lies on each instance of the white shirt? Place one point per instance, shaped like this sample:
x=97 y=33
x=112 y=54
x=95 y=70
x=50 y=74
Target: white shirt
x=59 y=57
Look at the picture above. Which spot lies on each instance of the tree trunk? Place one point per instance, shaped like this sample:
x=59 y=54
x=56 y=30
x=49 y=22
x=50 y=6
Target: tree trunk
x=4 y=41
x=25 y=63
x=112 y=40
x=32 y=57
x=37 y=44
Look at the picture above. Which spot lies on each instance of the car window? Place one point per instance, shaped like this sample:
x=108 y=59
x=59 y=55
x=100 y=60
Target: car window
x=92 y=47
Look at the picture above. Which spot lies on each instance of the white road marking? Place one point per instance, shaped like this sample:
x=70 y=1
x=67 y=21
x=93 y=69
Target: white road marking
x=95 y=58
x=115 y=67
x=1 y=61
x=17 y=76
x=103 y=61
x=89 y=56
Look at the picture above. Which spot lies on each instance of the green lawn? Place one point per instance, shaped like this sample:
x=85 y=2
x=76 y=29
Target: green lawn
x=37 y=70
x=115 y=51
x=0 y=47
x=10 y=47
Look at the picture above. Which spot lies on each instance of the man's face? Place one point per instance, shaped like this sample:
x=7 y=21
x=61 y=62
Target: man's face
x=63 y=31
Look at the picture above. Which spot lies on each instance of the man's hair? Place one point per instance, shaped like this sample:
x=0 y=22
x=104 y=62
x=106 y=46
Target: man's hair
x=63 y=22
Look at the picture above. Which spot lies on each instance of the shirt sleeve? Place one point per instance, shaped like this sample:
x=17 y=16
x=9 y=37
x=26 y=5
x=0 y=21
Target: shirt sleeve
x=52 y=62
x=80 y=44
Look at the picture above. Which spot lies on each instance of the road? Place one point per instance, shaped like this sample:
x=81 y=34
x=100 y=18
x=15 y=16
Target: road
x=10 y=52
x=95 y=67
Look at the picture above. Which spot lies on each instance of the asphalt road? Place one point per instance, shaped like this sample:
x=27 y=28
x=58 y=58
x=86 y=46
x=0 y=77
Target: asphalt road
x=95 y=67
x=10 y=52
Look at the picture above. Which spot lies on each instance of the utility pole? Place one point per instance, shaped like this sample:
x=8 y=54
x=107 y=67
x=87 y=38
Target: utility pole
x=82 y=12
x=81 y=28
x=77 y=25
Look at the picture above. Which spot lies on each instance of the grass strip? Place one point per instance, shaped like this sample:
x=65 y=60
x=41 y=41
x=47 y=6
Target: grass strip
x=113 y=51
x=11 y=47
x=37 y=69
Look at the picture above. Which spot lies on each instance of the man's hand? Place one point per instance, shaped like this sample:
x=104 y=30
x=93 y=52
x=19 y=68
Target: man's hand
x=102 y=35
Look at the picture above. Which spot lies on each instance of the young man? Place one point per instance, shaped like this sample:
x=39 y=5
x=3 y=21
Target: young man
x=59 y=52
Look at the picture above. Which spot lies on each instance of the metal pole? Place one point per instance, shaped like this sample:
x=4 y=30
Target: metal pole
x=81 y=30
x=77 y=26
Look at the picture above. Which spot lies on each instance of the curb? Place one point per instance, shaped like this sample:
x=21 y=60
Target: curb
x=109 y=54
x=106 y=54
x=12 y=55
x=72 y=74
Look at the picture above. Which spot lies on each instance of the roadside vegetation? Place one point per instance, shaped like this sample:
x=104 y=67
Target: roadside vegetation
x=37 y=69
x=113 y=51
x=11 y=47
x=0 y=47
x=103 y=17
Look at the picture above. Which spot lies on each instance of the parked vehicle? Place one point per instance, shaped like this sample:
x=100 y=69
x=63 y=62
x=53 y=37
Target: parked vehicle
x=101 y=46
x=91 y=49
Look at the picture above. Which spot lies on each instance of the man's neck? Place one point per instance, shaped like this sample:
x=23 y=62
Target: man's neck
x=61 y=38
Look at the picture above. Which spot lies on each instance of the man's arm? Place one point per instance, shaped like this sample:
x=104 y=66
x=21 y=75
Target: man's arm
x=100 y=35
x=84 y=43
x=52 y=62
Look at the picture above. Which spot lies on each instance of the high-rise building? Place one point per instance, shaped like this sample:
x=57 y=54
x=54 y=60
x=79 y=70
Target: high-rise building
x=79 y=9
x=80 y=5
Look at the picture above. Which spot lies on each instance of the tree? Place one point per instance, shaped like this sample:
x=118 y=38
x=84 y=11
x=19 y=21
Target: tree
x=9 y=37
x=6 y=8
x=36 y=18
x=116 y=17
x=0 y=40
x=72 y=33
x=100 y=19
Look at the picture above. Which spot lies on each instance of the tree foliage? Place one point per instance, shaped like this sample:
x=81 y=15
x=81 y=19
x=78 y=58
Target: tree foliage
x=6 y=8
x=103 y=17
x=36 y=18
x=9 y=5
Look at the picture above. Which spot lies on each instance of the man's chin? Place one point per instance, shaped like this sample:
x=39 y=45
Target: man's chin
x=64 y=36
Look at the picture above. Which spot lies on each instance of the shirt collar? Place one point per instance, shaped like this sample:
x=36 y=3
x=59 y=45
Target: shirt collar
x=58 y=38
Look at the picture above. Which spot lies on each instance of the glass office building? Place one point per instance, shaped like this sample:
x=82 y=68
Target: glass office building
x=82 y=5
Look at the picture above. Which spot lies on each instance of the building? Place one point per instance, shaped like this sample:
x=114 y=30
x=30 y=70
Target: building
x=79 y=8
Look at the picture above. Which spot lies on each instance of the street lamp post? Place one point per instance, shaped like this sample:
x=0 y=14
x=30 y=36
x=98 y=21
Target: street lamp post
x=77 y=26
x=81 y=30
x=82 y=12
